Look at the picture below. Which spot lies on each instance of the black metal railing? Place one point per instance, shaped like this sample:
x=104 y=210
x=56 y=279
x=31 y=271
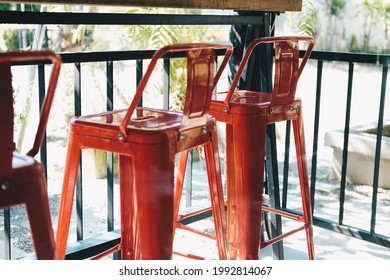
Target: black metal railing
x=349 y=60
x=90 y=246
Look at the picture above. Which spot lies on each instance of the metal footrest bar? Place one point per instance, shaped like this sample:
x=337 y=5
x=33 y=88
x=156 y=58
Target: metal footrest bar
x=107 y=252
x=196 y=231
x=283 y=213
x=264 y=244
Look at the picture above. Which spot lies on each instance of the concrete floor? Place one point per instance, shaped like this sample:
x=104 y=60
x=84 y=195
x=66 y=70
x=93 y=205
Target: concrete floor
x=328 y=246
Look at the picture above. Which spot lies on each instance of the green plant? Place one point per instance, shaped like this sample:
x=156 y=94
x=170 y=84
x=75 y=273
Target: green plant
x=371 y=11
x=385 y=130
x=336 y=7
x=5 y=6
x=353 y=44
x=11 y=39
x=386 y=14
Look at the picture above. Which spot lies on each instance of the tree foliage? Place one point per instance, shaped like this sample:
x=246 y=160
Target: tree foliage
x=375 y=12
x=157 y=36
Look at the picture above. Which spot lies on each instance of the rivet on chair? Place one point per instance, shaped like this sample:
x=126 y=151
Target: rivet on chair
x=225 y=109
x=272 y=110
x=204 y=129
x=4 y=185
x=120 y=137
x=182 y=136
x=291 y=107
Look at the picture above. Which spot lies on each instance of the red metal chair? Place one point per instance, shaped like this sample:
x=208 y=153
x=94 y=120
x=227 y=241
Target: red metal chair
x=147 y=140
x=22 y=178
x=247 y=114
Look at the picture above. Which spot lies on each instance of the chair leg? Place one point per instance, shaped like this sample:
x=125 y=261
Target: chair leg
x=154 y=184
x=216 y=196
x=299 y=137
x=249 y=147
x=38 y=211
x=231 y=193
x=180 y=175
x=68 y=188
x=127 y=205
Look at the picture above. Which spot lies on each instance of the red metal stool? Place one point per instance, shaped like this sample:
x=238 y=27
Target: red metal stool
x=246 y=114
x=147 y=140
x=22 y=178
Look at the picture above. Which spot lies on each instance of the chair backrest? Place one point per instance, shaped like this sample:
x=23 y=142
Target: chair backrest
x=288 y=68
x=6 y=120
x=201 y=81
x=6 y=104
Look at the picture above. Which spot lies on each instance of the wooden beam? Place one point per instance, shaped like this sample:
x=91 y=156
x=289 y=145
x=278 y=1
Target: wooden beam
x=241 y=5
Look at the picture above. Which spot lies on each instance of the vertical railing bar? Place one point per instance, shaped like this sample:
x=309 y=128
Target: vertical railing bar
x=139 y=74
x=166 y=79
x=346 y=143
x=246 y=78
x=77 y=89
x=41 y=95
x=271 y=163
x=110 y=156
x=188 y=178
x=7 y=234
x=286 y=164
x=215 y=68
x=316 y=132
x=79 y=187
x=378 y=148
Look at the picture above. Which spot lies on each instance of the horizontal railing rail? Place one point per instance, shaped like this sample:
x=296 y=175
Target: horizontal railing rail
x=15 y=17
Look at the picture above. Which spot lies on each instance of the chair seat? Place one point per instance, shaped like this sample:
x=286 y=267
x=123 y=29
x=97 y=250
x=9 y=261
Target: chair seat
x=160 y=123
x=245 y=97
x=252 y=103
x=142 y=119
x=26 y=171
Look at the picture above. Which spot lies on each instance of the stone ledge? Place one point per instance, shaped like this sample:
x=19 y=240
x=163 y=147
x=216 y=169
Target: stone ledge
x=361 y=156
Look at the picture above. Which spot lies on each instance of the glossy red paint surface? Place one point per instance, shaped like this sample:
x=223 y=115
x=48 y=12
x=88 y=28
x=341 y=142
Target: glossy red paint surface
x=247 y=114
x=22 y=178
x=147 y=140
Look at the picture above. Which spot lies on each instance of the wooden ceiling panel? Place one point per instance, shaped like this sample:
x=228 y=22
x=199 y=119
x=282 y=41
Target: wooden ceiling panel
x=242 y=5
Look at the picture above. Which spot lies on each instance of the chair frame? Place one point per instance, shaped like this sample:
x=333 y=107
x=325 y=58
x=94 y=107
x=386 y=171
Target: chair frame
x=146 y=158
x=247 y=114
x=22 y=178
